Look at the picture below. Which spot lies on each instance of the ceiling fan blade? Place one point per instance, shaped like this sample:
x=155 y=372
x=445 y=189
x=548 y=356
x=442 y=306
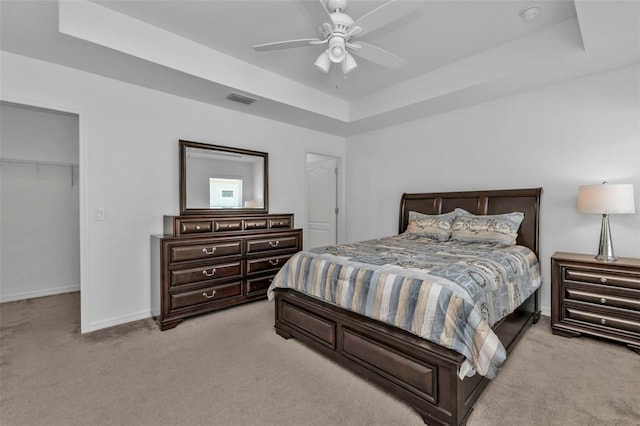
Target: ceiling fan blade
x=385 y=14
x=376 y=55
x=315 y=10
x=287 y=44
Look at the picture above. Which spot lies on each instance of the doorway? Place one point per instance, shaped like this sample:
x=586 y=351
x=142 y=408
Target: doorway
x=39 y=202
x=322 y=200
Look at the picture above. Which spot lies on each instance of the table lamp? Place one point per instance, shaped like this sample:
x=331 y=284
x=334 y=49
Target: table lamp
x=606 y=199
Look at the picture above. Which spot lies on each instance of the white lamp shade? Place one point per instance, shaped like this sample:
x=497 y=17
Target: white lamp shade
x=348 y=64
x=323 y=63
x=606 y=199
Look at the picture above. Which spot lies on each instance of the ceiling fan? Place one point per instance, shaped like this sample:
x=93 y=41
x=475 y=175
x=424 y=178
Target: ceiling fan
x=341 y=30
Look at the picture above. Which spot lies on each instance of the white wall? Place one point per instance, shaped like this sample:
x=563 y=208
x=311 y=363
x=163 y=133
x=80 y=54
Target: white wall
x=580 y=132
x=40 y=230
x=129 y=165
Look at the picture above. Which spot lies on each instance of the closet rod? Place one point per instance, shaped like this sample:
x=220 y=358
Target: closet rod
x=36 y=162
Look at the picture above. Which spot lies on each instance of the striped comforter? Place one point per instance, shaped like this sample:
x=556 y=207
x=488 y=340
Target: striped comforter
x=449 y=293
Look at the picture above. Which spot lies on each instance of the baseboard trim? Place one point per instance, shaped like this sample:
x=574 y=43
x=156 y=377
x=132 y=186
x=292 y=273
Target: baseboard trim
x=38 y=293
x=99 y=325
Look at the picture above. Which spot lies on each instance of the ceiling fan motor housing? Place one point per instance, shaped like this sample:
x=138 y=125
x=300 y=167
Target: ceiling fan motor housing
x=341 y=22
x=333 y=5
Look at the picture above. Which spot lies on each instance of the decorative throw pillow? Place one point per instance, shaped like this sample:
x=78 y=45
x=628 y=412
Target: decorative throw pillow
x=437 y=227
x=499 y=228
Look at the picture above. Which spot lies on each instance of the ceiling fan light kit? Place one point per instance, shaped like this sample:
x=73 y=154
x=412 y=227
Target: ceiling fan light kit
x=342 y=29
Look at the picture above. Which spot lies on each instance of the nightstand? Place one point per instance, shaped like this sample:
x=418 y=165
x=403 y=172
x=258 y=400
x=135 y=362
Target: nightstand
x=596 y=298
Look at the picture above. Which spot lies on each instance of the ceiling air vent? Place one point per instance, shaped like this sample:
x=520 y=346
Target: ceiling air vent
x=243 y=99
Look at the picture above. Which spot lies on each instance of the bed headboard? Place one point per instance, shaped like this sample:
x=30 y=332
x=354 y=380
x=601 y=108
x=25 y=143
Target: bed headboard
x=500 y=201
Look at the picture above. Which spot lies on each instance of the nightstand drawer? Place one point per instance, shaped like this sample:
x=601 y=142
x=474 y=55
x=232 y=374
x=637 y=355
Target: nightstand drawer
x=602 y=277
x=603 y=320
x=602 y=299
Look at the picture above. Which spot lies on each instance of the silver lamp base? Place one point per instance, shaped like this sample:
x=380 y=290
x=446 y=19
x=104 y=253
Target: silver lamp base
x=605 y=251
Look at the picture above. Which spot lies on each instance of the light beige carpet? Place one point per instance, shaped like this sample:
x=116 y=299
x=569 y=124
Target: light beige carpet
x=230 y=368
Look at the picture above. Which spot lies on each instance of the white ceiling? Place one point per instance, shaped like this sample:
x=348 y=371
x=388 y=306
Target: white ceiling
x=457 y=53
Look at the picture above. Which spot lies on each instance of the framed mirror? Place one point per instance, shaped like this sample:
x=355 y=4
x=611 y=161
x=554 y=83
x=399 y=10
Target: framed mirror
x=222 y=180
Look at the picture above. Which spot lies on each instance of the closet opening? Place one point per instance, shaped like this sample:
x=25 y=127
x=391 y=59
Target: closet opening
x=39 y=202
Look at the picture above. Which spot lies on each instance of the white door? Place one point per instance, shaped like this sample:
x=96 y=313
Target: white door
x=322 y=200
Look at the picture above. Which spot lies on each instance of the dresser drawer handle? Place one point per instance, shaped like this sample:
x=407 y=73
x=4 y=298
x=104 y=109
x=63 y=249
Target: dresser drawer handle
x=213 y=250
x=272 y=244
x=213 y=293
x=197 y=226
x=274 y=262
x=603 y=279
x=205 y=273
x=603 y=300
x=603 y=321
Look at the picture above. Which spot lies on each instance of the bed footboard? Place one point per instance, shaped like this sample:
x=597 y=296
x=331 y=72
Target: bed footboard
x=421 y=373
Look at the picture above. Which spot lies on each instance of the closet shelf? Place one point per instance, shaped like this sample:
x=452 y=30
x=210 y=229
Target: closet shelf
x=38 y=163
x=4 y=161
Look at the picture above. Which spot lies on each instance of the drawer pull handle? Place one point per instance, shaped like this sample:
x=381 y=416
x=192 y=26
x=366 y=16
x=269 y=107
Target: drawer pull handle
x=603 y=279
x=213 y=250
x=213 y=294
x=274 y=262
x=272 y=244
x=197 y=226
x=603 y=321
x=205 y=273
x=603 y=300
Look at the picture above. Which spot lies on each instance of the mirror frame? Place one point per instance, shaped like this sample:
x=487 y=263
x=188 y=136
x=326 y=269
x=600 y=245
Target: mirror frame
x=184 y=210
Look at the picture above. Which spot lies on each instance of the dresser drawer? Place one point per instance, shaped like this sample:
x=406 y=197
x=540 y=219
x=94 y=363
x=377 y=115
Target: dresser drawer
x=604 y=320
x=602 y=277
x=255 y=224
x=280 y=222
x=266 y=264
x=196 y=227
x=205 y=295
x=602 y=298
x=204 y=273
x=258 y=285
x=205 y=251
x=273 y=243
x=227 y=225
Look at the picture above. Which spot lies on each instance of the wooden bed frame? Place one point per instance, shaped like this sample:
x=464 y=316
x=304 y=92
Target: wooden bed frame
x=421 y=373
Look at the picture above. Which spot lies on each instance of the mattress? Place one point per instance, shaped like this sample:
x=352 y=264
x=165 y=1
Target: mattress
x=450 y=293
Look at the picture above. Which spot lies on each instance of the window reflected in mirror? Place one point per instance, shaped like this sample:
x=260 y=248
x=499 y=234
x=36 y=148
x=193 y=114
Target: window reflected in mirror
x=216 y=179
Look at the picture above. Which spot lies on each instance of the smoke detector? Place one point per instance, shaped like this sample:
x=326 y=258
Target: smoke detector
x=530 y=13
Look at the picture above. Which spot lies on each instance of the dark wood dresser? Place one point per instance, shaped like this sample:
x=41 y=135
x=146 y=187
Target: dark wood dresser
x=596 y=298
x=205 y=263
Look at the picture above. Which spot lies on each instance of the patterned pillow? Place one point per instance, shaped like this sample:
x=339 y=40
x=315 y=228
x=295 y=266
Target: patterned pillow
x=437 y=227
x=499 y=228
